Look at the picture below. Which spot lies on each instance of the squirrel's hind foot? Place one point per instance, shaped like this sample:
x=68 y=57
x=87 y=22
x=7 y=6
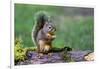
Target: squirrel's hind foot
x=40 y=55
x=49 y=54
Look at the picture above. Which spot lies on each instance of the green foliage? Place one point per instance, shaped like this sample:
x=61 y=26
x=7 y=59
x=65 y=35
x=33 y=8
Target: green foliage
x=20 y=51
x=78 y=34
x=67 y=57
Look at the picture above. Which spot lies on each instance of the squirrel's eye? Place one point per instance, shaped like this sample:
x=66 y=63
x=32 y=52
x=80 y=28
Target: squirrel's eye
x=49 y=27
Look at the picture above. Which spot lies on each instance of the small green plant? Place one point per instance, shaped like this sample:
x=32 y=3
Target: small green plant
x=19 y=52
x=66 y=56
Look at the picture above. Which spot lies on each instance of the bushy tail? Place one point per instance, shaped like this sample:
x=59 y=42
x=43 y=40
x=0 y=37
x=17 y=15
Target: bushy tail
x=40 y=18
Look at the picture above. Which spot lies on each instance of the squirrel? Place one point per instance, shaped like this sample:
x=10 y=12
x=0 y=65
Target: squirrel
x=43 y=32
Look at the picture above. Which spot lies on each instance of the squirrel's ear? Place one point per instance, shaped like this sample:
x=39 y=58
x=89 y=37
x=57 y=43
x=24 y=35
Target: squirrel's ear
x=46 y=23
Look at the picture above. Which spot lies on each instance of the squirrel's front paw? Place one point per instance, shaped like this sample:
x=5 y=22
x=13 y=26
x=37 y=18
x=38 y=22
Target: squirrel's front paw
x=51 y=36
x=54 y=36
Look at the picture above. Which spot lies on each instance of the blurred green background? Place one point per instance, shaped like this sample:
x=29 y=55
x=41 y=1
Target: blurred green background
x=75 y=25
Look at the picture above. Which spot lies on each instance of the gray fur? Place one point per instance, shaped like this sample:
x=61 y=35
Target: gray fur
x=42 y=26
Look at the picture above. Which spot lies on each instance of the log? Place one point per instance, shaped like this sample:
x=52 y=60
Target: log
x=57 y=57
